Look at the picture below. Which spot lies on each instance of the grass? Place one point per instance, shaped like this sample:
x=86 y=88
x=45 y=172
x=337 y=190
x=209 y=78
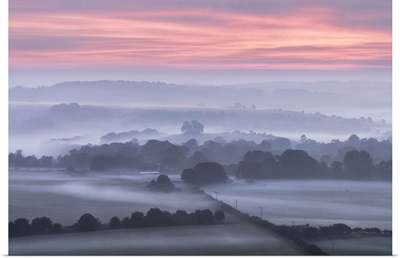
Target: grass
x=223 y=239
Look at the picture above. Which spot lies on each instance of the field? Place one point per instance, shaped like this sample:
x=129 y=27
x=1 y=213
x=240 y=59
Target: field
x=225 y=239
x=316 y=202
x=64 y=196
x=357 y=246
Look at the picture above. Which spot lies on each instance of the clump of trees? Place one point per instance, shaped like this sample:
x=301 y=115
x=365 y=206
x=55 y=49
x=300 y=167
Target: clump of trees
x=193 y=127
x=335 y=230
x=156 y=217
x=42 y=225
x=162 y=184
x=205 y=173
x=298 y=164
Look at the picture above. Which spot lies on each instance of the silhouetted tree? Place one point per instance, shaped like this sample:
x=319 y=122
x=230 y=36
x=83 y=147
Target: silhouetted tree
x=384 y=169
x=115 y=222
x=98 y=163
x=137 y=219
x=337 y=169
x=341 y=229
x=194 y=127
x=87 y=222
x=281 y=143
x=181 y=217
x=219 y=215
x=125 y=223
x=163 y=183
x=205 y=173
x=56 y=228
x=155 y=216
x=257 y=164
x=202 y=216
x=12 y=230
x=196 y=158
x=186 y=127
x=358 y=164
x=22 y=227
x=41 y=225
x=298 y=164
x=192 y=144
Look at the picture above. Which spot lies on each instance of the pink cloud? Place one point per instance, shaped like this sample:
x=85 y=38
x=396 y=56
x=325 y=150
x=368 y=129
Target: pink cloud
x=304 y=38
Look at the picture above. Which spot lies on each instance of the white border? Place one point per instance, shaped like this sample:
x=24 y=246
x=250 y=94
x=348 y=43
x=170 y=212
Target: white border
x=4 y=125
x=395 y=129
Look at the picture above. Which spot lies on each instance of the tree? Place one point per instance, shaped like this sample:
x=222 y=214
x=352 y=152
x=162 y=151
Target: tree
x=22 y=227
x=186 y=127
x=115 y=222
x=219 y=215
x=257 y=164
x=181 y=217
x=358 y=164
x=353 y=140
x=298 y=164
x=194 y=127
x=98 y=163
x=42 y=225
x=197 y=127
x=384 y=169
x=56 y=228
x=87 y=222
x=205 y=173
x=337 y=169
x=137 y=219
x=163 y=183
x=156 y=217
x=12 y=230
x=341 y=229
x=203 y=217
x=125 y=222
x=196 y=158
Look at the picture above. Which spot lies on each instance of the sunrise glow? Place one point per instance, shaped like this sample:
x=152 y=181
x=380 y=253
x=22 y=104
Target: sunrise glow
x=309 y=37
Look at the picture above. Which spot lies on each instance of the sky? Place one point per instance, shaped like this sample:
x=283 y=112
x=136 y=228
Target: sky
x=199 y=41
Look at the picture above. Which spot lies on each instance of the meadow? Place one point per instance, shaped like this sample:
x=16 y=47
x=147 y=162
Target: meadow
x=315 y=202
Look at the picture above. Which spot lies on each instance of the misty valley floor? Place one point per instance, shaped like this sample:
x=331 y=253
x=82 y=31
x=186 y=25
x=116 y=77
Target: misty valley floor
x=64 y=197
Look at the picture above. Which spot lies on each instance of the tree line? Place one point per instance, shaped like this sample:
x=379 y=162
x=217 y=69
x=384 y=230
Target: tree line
x=257 y=162
x=298 y=164
x=87 y=222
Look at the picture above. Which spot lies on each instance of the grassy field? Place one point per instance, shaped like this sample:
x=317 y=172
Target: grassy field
x=357 y=246
x=316 y=202
x=224 y=239
x=64 y=197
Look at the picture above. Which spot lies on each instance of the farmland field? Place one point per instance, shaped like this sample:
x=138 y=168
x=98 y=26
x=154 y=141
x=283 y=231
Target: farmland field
x=316 y=202
x=64 y=196
x=357 y=246
x=225 y=239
